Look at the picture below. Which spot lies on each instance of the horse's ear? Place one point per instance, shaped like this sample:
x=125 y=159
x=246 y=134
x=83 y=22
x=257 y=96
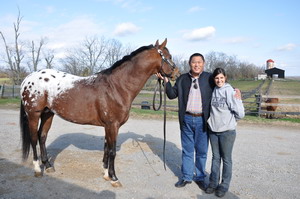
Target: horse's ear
x=156 y=44
x=163 y=44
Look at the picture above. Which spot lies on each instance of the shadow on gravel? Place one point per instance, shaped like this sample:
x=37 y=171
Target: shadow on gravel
x=17 y=181
x=91 y=142
x=228 y=195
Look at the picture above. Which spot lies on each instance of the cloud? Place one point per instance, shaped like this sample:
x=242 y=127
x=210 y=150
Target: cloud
x=194 y=9
x=200 y=34
x=75 y=30
x=125 y=29
x=287 y=47
x=67 y=35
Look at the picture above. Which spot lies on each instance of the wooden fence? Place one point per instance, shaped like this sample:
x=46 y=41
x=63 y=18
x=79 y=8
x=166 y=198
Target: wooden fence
x=254 y=101
x=256 y=105
x=9 y=91
x=284 y=107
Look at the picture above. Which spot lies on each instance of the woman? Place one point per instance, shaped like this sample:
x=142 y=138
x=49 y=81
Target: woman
x=225 y=111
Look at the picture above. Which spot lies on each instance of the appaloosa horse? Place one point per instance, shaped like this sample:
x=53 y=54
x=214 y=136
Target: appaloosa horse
x=103 y=99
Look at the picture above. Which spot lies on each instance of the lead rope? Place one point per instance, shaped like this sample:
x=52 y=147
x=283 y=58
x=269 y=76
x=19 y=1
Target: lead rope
x=165 y=119
x=158 y=86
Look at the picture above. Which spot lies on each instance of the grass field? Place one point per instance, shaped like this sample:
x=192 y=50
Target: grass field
x=285 y=87
x=5 y=81
x=245 y=85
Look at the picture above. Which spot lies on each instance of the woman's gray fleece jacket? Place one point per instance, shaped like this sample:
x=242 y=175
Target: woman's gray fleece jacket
x=225 y=109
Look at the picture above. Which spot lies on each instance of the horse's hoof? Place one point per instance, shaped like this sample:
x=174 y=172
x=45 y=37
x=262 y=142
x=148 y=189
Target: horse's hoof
x=50 y=170
x=116 y=183
x=38 y=174
x=107 y=178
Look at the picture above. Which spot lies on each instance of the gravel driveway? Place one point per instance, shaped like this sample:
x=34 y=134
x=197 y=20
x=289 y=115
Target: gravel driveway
x=266 y=162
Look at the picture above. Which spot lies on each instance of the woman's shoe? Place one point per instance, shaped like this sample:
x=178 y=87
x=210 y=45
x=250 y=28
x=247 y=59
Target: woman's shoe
x=210 y=190
x=219 y=193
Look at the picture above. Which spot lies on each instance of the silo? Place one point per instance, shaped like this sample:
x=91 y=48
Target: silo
x=270 y=64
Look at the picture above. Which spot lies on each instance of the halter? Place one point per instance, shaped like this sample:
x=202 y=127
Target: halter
x=164 y=59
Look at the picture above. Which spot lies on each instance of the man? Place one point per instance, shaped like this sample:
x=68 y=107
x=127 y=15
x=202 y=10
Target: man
x=194 y=90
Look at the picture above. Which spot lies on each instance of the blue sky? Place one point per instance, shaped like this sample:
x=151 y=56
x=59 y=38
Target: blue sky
x=254 y=31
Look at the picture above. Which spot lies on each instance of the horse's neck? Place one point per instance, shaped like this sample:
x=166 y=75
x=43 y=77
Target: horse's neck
x=135 y=75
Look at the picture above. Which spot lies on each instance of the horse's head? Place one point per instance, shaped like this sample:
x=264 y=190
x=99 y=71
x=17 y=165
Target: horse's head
x=168 y=67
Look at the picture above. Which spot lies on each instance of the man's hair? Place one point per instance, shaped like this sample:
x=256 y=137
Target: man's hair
x=196 y=55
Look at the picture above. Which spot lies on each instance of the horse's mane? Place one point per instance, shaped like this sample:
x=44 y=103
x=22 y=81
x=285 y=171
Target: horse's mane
x=124 y=59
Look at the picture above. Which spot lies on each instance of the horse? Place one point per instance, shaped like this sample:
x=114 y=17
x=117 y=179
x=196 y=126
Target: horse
x=271 y=107
x=103 y=99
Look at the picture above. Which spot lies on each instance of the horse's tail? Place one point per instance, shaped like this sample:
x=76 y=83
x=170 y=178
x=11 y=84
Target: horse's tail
x=25 y=132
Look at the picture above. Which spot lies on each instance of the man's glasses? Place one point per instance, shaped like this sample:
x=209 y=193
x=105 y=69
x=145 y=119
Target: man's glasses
x=195 y=84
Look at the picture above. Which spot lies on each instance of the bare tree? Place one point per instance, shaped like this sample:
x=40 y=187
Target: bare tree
x=127 y=49
x=235 y=69
x=89 y=58
x=181 y=63
x=114 y=52
x=72 y=65
x=49 y=56
x=35 y=55
x=14 y=54
x=93 y=54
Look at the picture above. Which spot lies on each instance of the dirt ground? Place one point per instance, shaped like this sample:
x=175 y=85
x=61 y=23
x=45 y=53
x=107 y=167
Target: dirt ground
x=266 y=162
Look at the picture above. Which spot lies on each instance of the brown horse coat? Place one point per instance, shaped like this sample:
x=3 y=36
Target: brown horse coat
x=271 y=107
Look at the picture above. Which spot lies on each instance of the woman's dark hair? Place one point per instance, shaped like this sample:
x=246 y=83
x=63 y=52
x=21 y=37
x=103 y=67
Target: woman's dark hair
x=196 y=55
x=218 y=71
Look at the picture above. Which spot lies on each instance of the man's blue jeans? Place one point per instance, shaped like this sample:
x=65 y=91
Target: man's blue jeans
x=194 y=142
x=222 y=145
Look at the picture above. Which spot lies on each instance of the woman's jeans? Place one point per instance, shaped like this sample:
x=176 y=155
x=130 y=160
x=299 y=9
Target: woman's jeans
x=222 y=145
x=193 y=141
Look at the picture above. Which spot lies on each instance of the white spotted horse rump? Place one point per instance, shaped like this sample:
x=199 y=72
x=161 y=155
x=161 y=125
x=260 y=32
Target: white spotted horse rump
x=46 y=82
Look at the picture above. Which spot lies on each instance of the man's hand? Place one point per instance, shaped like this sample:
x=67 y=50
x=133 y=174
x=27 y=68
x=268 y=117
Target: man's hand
x=238 y=94
x=165 y=79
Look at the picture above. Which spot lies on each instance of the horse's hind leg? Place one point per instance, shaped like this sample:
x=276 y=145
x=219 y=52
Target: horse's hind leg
x=46 y=121
x=33 y=126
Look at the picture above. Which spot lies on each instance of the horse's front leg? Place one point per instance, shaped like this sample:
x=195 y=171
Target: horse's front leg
x=109 y=155
x=105 y=161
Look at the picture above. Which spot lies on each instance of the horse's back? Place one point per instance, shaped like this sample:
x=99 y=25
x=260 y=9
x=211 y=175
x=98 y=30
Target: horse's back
x=44 y=85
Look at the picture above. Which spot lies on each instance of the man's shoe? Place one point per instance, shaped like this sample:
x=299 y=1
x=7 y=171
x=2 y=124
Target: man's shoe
x=182 y=183
x=220 y=193
x=210 y=190
x=201 y=185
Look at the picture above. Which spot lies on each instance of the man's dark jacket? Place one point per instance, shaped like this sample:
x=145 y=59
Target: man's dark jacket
x=181 y=90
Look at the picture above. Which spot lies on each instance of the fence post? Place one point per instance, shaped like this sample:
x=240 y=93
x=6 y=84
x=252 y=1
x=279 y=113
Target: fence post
x=13 y=90
x=1 y=90
x=258 y=102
